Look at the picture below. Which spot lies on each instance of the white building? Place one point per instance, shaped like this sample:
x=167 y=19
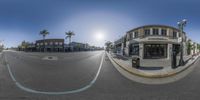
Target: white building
x=154 y=44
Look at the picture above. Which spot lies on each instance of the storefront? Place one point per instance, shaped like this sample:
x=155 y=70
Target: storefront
x=134 y=49
x=155 y=51
x=119 y=46
x=154 y=44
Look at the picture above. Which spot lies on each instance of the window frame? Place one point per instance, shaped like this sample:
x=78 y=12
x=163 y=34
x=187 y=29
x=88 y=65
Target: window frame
x=164 y=32
x=147 y=32
x=155 y=31
x=174 y=34
x=136 y=34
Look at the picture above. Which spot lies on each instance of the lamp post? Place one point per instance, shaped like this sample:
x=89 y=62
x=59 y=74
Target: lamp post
x=181 y=25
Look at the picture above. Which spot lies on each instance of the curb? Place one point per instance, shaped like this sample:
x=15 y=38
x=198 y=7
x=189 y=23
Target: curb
x=151 y=76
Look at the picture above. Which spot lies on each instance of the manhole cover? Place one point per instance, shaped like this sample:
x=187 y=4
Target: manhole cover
x=50 y=58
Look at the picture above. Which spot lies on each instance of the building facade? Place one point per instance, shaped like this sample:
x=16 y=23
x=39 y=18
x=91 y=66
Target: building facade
x=119 y=46
x=154 y=43
x=76 y=46
x=50 y=45
x=55 y=45
x=194 y=48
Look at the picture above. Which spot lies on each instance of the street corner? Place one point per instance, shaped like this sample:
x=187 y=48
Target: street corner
x=151 y=75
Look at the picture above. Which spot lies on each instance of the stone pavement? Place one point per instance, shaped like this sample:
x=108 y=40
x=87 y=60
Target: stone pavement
x=124 y=63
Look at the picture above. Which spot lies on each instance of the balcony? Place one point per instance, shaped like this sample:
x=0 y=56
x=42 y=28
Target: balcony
x=162 y=36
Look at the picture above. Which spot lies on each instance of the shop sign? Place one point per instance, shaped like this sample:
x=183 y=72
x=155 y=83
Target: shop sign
x=179 y=39
x=157 y=38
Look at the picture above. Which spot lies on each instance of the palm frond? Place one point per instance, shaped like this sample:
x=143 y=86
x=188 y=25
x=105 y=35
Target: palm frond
x=44 y=32
x=69 y=33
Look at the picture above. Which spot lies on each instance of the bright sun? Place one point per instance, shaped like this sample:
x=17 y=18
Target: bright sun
x=99 y=35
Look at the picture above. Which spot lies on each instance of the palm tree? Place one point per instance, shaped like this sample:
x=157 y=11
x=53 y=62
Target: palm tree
x=69 y=35
x=44 y=33
x=108 y=45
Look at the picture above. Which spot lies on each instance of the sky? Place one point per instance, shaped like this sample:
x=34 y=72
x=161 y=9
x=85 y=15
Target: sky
x=24 y=19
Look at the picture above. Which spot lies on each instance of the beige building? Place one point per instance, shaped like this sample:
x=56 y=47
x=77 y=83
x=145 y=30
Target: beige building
x=154 y=44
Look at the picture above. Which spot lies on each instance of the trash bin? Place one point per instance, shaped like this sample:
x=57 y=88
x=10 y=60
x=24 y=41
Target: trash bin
x=135 y=62
x=173 y=60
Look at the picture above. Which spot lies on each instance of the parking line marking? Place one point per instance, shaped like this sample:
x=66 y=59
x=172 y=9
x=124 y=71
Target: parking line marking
x=55 y=93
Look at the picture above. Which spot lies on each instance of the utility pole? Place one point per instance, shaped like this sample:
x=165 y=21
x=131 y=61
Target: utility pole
x=181 y=25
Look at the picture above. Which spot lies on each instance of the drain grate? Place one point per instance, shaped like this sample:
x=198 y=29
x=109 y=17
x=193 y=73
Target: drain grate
x=50 y=58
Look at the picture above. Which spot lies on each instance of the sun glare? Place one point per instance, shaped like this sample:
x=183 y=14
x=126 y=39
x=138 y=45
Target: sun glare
x=99 y=35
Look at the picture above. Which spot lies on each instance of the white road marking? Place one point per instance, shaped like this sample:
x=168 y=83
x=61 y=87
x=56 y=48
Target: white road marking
x=55 y=93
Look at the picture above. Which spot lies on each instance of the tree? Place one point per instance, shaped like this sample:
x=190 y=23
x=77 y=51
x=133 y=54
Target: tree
x=69 y=35
x=198 y=46
x=108 y=45
x=1 y=48
x=189 y=47
x=44 y=33
x=193 y=48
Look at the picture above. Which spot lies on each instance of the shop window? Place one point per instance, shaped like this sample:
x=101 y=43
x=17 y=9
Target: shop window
x=155 y=51
x=134 y=49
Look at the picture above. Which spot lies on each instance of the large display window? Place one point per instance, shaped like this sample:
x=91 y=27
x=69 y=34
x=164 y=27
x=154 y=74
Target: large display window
x=134 y=49
x=155 y=51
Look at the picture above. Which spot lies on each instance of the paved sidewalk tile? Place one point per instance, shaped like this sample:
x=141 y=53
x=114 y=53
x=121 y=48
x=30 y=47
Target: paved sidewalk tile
x=125 y=62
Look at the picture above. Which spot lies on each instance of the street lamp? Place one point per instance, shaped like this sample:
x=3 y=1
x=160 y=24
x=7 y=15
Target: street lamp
x=181 y=25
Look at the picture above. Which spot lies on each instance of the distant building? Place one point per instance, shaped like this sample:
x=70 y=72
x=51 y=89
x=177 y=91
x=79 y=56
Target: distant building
x=55 y=45
x=76 y=46
x=119 y=46
x=50 y=45
x=31 y=47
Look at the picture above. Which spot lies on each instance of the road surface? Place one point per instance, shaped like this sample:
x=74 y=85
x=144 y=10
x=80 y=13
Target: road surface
x=78 y=72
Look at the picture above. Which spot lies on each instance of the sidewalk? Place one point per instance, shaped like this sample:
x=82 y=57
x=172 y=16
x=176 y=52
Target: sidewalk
x=152 y=72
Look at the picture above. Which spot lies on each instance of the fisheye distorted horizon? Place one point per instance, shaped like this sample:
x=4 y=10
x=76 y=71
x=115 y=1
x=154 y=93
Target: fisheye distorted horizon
x=92 y=21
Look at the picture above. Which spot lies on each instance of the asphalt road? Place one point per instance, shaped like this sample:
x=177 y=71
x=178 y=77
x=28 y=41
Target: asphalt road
x=72 y=71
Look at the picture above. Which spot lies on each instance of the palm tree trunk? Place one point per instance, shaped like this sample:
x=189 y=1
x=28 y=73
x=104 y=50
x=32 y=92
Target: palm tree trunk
x=70 y=44
x=69 y=40
x=44 y=42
